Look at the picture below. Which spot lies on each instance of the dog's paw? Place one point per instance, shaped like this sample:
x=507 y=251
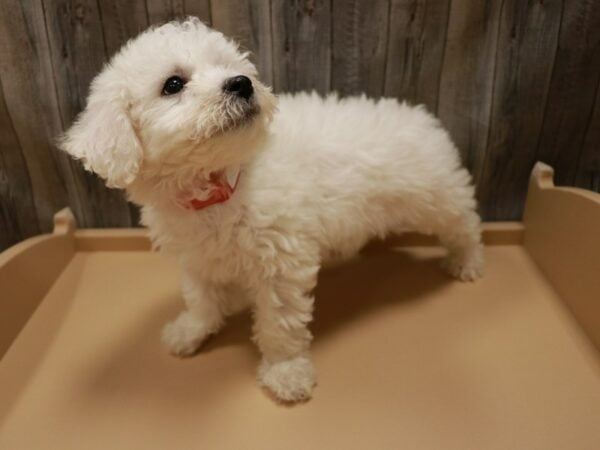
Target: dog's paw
x=184 y=335
x=291 y=380
x=467 y=268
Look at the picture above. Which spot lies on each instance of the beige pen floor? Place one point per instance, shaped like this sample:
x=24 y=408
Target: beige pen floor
x=406 y=357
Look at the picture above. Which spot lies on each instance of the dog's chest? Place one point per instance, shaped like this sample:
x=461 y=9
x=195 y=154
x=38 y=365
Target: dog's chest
x=220 y=250
x=221 y=259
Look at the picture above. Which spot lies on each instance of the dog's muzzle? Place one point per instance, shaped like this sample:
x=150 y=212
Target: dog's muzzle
x=240 y=100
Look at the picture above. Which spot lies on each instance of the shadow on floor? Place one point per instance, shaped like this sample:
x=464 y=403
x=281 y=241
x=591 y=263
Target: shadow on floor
x=345 y=294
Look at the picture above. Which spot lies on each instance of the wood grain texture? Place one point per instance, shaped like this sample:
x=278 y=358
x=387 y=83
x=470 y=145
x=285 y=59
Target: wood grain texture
x=121 y=20
x=247 y=22
x=30 y=112
x=527 y=43
x=467 y=81
x=301 y=45
x=198 y=8
x=78 y=51
x=415 y=53
x=588 y=169
x=359 y=46
x=159 y=11
x=17 y=209
x=572 y=93
x=513 y=80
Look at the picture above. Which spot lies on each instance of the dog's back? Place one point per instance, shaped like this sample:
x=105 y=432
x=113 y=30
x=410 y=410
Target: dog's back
x=347 y=170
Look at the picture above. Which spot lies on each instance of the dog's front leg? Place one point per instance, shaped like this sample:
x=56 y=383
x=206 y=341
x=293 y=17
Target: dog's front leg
x=204 y=315
x=282 y=312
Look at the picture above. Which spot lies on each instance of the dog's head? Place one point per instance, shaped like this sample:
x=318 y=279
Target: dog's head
x=177 y=100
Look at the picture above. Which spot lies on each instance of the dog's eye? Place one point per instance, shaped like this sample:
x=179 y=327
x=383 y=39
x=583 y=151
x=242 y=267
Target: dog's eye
x=173 y=85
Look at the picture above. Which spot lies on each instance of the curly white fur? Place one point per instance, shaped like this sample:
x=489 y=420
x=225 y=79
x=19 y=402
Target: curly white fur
x=320 y=177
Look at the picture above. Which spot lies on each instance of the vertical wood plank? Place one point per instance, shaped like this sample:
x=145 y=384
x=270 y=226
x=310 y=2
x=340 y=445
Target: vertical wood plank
x=359 y=46
x=160 y=11
x=77 y=44
x=260 y=18
x=572 y=89
x=122 y=20
x=30 y=111
x=248 y=22
x=78 y=53
x=198 y=8
x=415 y=51
x=527 y=43
x=301 y=45
x=18 y=218
x=465 y=96
x=588 y=169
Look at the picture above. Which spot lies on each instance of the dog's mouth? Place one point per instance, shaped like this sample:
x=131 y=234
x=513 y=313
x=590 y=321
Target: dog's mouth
x=239 y=117
x=230 y=116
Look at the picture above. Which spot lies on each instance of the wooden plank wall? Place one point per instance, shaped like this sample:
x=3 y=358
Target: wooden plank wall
x=514 y=81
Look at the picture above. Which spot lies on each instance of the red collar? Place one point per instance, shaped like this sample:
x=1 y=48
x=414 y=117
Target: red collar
x=217 y=189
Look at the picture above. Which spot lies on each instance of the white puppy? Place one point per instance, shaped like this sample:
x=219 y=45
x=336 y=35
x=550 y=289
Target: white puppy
x=253 y=199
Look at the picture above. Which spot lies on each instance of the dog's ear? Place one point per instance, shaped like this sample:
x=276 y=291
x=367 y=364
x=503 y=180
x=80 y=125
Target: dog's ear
x=104 y=139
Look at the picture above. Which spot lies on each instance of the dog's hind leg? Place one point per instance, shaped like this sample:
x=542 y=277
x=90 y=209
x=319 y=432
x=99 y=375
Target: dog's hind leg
x=462 y=238
x=449 y=213
x=453 y=219
x=204 y=316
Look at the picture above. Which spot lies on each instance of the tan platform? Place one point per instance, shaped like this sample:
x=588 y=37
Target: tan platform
x=407 y=357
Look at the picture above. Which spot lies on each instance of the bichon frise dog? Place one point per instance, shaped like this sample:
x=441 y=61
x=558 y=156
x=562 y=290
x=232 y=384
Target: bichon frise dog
x=253 y=193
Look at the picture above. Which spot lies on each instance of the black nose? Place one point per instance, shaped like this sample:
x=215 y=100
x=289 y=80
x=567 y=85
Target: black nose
x=240 y=86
